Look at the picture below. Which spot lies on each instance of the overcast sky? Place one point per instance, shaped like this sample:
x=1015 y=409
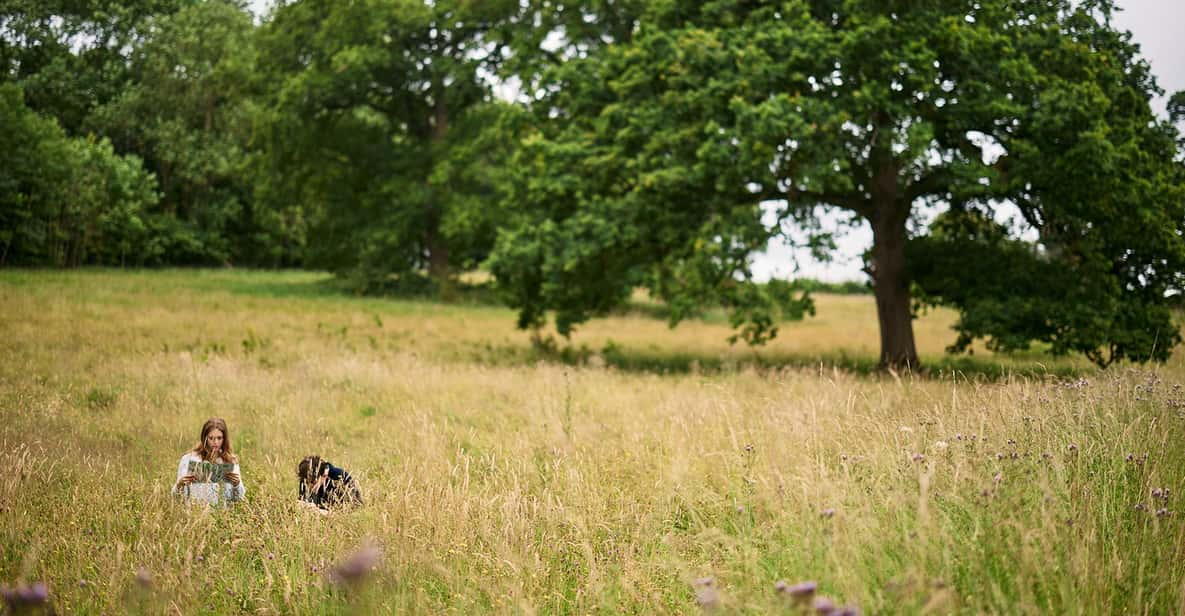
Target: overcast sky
x=1158 y=26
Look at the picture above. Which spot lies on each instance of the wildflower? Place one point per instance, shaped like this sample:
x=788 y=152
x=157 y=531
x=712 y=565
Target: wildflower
x=800 y=591
x=823 y=606
x=1011 y=443
x=271 y=555
x=25 y=596
x=1157 y=492
x=827 y=513
x=1014 y=456
x=740 y=508
x=999 y=456
x=705 y=593
x=959 y=436
x=998 y=478
x=355 y=567
x=201 y=558
x=1163 y=512
x=917 y=457
x=230 y=591
x=1140 y=507
x=847 y=610
x=143 y=577
x=1073 y=448
x=1129 y=457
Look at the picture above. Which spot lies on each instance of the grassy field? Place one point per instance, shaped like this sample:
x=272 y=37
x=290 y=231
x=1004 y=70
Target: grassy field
x=610 y=475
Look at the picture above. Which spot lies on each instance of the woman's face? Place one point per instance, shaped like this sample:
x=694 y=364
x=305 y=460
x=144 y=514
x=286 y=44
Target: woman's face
x=214 y=441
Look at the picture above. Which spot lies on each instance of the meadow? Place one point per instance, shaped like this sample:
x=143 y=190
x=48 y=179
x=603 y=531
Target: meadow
x=634 y=469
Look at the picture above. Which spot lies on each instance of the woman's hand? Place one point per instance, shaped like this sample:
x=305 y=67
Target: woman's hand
x=185 y=481
x=233 y=478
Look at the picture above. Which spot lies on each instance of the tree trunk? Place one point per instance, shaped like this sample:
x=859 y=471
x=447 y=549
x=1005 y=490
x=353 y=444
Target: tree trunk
x=438 y=251
x=891 y=287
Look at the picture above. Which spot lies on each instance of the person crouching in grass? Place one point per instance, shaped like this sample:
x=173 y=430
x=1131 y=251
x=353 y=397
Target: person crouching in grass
x=209 y=473
x=323 y=485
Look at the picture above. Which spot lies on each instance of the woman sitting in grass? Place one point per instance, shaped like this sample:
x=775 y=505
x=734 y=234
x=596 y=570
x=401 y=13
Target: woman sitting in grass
x=323 y=485
x=209 y=473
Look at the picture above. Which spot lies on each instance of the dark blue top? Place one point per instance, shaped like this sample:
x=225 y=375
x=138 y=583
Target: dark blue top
x=338 y=489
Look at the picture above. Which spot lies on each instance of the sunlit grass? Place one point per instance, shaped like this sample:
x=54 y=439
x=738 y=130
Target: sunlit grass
x=498 y=480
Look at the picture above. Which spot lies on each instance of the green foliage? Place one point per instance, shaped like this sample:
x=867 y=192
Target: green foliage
x=71 y=57
x=1013 y=293
x=381 y=135
x=188 y=112
x=67 y=201
x=652 y=155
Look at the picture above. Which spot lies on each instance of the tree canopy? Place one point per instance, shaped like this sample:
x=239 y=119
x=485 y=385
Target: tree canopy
x=653 y=156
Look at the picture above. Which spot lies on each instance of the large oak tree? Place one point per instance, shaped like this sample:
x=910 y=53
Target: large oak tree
x=653 y=155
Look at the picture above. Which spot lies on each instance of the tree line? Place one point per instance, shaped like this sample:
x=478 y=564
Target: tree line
x=579 y=150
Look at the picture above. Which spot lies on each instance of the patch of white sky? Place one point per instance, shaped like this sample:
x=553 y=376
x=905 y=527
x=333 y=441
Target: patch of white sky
x=1155 y=26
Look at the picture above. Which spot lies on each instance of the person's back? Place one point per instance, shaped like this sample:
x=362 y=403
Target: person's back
x=324 y=485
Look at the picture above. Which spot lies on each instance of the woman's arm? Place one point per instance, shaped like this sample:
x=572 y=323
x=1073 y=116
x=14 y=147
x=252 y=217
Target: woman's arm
x=240 y=490
x=183 y=478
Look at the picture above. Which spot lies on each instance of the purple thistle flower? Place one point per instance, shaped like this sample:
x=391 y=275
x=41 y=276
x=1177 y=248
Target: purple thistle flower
x=1073 y=447
x=705 y=592
x=271 y=555
x=959 y=436
x=143 y=577
x=1129 y=457
x=823 y=606
x=230 y=591
x=25 y=596
x=1140 y=507
x=917 y=457
x=848 y=610
x=356 y=566
x=998 y=478
x=800 y=591
x=1163 y=512
x=999 y=456
x=707 y=597
x=827 y=513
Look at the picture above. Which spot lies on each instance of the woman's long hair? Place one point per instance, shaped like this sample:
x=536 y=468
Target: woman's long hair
x=228 y=452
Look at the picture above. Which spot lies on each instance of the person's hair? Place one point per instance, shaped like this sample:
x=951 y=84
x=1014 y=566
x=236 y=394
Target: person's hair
x=215 y=423
x=309 y=468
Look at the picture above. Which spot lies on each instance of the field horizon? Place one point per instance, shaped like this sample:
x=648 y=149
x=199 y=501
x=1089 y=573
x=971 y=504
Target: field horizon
x=616 y=472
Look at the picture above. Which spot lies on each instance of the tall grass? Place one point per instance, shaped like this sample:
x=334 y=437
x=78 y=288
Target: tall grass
x=498 y=480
